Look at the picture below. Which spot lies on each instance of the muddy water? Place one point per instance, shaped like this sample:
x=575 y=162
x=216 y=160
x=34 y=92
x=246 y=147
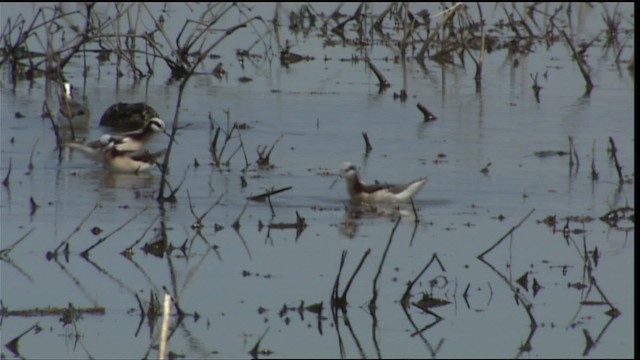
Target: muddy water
x=236 y=285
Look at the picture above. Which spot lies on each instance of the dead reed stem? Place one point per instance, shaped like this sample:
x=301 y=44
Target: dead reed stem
x=426 y=114
x=77 y=228
x=573 y=153
x=33 y=150
x=481 y=256
x=581 y=64
x=263 y=155
x=246 y=160
x=404 y=301
x=341 y=301
x=5 y=182
x=4 y=252
x=266 y=195
x=236 y=223
x=346 y=289
x=594 y=173
x=256 y=348
x=383 y=83
x=198 y=224
x=85 y=253
x=614 y=151
x=536 y=88
x=128 y=251
x=367 y=144
x=372 y=302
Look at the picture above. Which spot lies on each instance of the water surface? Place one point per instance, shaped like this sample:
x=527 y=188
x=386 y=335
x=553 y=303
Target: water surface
x=245 y=282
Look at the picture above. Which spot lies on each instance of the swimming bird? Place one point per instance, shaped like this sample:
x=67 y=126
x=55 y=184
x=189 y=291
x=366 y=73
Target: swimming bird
x=70 y=108
x=135 y=140
x=93 y=149
x=126 y=116
x=129 y=141
x=119 y=161
x=378 y=193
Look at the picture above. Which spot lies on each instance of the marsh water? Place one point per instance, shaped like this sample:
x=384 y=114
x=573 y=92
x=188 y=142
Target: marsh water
x=546 y=290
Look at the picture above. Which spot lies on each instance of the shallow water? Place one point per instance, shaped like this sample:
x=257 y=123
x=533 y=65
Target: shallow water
x=239 y=281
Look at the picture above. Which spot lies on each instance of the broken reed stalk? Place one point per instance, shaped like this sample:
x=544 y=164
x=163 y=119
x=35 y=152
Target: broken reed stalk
x=298 y=224
x=536 y=88
x=217 y=157
x=47 y=311
x=336 y=284
x=263 y=159
x=346 y=289
x=173 y=299
x=383 y=83
x=614 y=151
x=232 y=154
x=595 y=283
x=172 y=196
x=427 y=115
x=581 y=65
x=236 y=224
x=256 y=348
x=594 y=173
x=273 y=213
x=367 y=144
x=33 y=149
x=128 y=251
x=573 y=153
x=479 y=62
x=198 y=224
x=481 y=256
x=85 y=253
x=33 y=205
x=519 y=296
x=13 y=344
x=341 y=301
x=246 y=160
x=213 y=149
x=266 y=195
x=372 y=302
x=404 y=301
x=77 y=228
x=164 y=328
x=5 y=182
x=7 y=250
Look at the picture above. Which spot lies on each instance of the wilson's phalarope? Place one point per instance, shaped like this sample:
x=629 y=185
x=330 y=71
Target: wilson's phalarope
x=127 y=116
x=93 y=149
x=134 y=140
x=70 y=108
x=378 y=193
x=126 y=162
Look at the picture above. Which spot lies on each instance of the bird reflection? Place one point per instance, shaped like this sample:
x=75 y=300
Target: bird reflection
x=354 y=212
